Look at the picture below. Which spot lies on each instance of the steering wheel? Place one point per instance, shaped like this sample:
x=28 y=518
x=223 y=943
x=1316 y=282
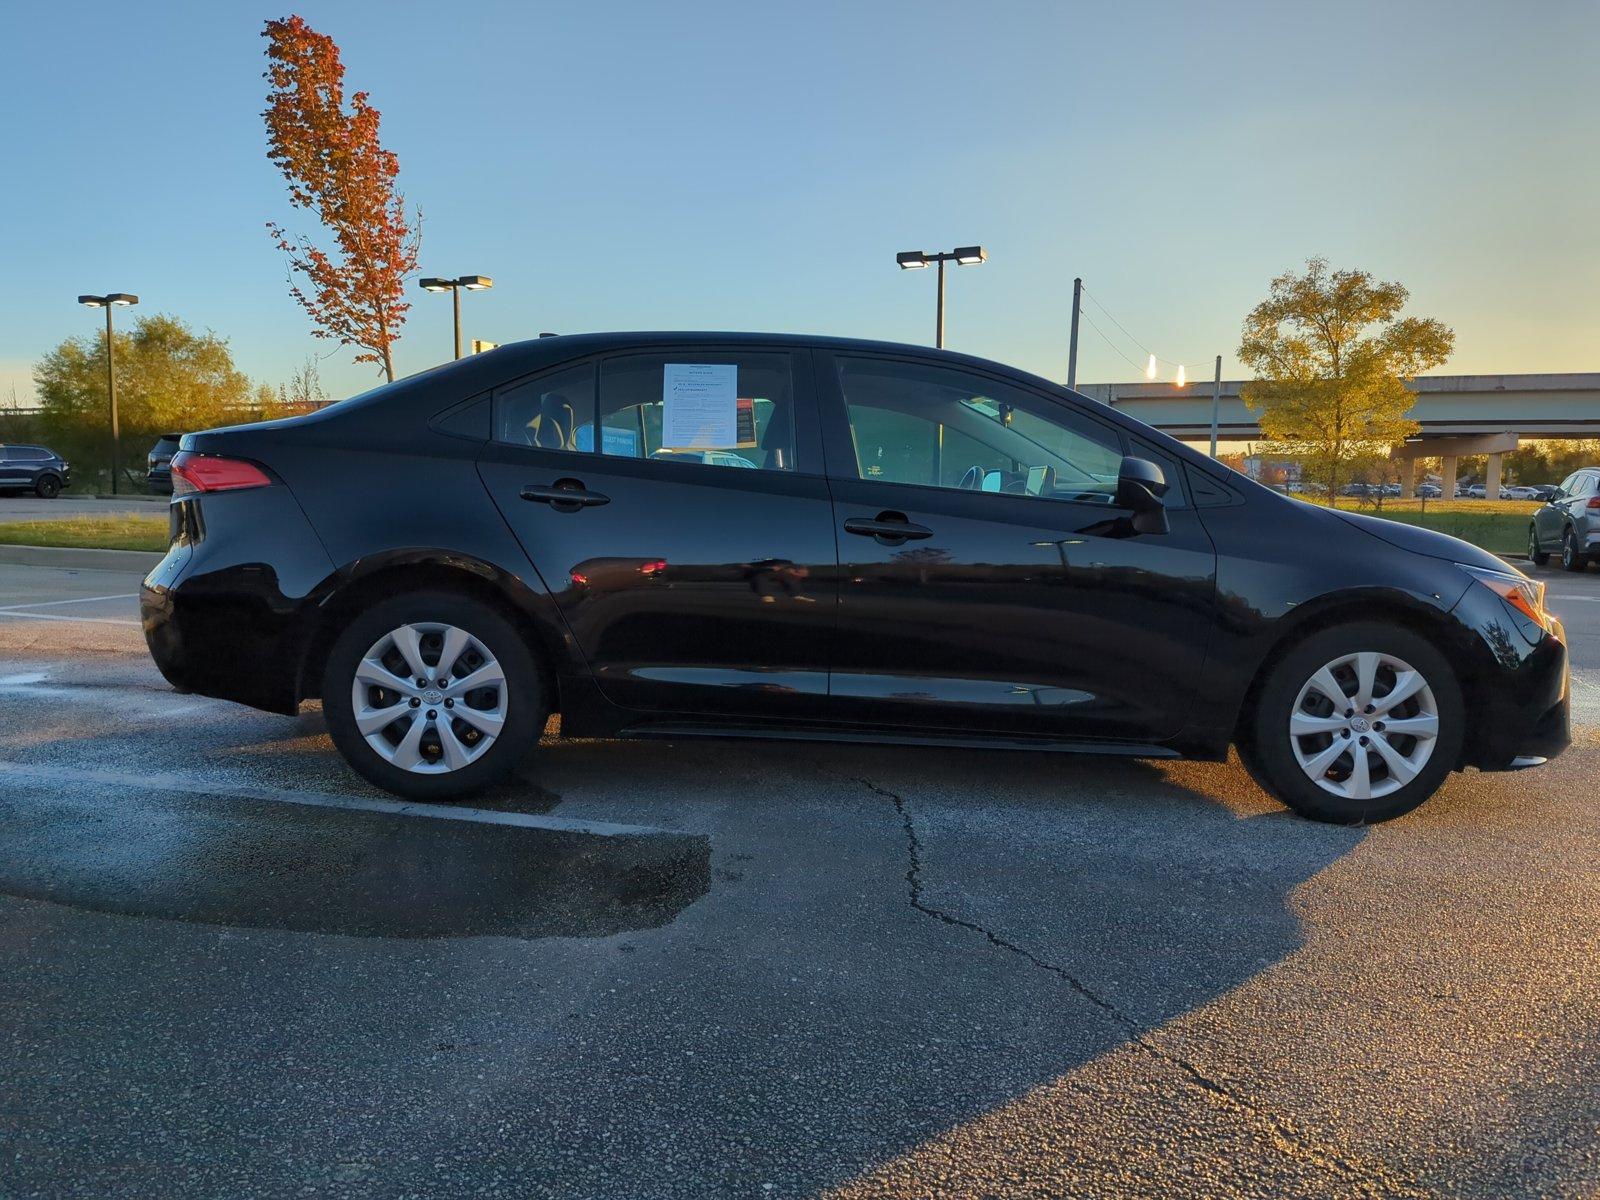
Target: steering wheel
x=972 y=481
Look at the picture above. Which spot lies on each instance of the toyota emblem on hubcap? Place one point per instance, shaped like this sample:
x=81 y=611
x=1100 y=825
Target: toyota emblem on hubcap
x=432 y=696
x=1359 y=724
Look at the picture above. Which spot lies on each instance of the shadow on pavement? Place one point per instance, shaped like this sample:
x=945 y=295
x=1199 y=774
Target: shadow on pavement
x=253 y=864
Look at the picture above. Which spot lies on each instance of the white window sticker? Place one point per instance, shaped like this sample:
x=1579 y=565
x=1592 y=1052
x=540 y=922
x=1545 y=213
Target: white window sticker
x=700 y=406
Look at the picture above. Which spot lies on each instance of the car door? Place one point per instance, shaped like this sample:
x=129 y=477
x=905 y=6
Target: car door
x=1551 y=518
x=988 y=581
x=690 y=545
x=10 y=468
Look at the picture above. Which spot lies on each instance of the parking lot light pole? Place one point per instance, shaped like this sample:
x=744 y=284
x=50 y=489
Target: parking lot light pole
x=109 y=301
x=472 y=283
x=962 y=256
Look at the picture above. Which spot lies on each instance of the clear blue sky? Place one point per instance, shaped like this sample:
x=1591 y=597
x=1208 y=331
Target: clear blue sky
x=755 y=166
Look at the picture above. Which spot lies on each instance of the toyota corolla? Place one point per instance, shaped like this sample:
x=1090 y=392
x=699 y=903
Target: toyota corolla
x=739 y=535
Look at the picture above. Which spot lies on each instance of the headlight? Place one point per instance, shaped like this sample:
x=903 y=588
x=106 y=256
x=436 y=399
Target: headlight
x=1516 y=589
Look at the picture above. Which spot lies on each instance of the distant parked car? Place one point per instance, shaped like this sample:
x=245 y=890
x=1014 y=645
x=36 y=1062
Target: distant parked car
x=1429 y=491
x=159 y=461
x=1519 y=492
x=1357 y=489
x=1391 y=489
x=33 y=469
x=1546 y=491
x=1570 y=522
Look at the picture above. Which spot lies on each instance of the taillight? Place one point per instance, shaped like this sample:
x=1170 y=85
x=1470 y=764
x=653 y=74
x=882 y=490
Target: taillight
x=192 y=473
x=1594 y=502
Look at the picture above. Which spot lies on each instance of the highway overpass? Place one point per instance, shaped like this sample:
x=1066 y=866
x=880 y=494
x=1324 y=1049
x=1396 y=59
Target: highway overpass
x=1532 y=406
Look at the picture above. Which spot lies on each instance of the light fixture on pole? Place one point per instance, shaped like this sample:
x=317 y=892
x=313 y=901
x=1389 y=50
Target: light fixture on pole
x=1150 y=368
x=962 y=256
x=109 y=301
x=472 y=283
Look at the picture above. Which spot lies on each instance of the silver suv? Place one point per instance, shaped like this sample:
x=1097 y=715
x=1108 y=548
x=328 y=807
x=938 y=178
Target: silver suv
x=1569 y=521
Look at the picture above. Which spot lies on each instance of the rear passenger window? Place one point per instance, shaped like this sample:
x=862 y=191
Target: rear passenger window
x=554 y=411
x=717 y=410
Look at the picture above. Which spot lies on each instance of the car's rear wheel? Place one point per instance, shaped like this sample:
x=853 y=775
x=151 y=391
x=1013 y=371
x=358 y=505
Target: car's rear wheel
x=1535 y=555
x=48 y=487
x=1572 y=558
x=433 y=695
x=1356 y=724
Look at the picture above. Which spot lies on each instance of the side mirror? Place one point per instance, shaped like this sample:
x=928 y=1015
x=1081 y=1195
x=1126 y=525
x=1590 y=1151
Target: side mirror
x=1140 y=486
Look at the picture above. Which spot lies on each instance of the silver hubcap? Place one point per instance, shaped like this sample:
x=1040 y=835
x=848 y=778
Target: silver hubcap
x=1364 y=725
x=429 y=698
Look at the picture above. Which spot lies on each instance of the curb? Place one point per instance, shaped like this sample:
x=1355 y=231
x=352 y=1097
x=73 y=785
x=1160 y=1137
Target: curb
x=126 y=496
x=81 y=558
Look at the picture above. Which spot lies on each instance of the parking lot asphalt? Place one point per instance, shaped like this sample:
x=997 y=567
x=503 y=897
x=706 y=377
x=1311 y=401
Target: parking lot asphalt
x=227 y=967
x=28 y=507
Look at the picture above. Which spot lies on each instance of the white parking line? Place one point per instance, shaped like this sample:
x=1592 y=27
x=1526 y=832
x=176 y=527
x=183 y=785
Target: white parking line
x=33 y=616
x=79 y=600
x=194 y=786
x=1570 y=596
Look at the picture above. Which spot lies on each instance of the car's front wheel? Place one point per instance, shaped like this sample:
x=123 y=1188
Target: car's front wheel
x=1535 y=555
x=1356 y=724
x=433 y=695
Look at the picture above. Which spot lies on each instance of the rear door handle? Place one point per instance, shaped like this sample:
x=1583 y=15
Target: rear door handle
x=564 y=495
x=889 y=528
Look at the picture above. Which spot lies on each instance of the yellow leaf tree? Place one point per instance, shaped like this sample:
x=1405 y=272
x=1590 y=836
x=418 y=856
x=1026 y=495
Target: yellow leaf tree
x=1331 y=357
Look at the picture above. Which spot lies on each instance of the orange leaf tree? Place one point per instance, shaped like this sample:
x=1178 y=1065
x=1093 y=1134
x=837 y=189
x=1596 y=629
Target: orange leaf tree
x=336 y=167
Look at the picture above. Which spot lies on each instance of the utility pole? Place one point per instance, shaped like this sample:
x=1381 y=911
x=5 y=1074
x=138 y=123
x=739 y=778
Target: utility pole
x=1216 y=403
x=1072 y=350
x=938 y=333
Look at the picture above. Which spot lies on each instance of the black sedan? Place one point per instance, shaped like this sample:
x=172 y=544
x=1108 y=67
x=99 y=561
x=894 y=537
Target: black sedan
x=681 y=535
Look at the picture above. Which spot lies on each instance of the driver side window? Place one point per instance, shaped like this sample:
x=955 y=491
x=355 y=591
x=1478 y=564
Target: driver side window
x=937 y=427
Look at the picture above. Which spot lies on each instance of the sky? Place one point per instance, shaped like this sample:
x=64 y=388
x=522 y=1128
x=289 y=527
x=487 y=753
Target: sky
x=757 y=166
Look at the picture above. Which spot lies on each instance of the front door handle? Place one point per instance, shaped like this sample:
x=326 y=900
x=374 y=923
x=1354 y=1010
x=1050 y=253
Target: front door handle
x=564 y=495
x=888 y=528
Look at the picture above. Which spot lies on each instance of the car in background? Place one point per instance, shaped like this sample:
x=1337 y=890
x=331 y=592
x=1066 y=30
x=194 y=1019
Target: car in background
x=1473 y=491
x=1569 y=522
x=1519 y=492
x=926 y=548
x=159 y=463
x=1429 y=491
x=1545 y=491
x=36 y=469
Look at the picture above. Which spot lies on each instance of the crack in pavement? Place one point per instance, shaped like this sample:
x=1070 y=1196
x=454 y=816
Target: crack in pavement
x=1285 y=1134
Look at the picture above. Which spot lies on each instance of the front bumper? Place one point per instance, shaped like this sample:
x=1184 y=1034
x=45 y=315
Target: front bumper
x=1517 y=686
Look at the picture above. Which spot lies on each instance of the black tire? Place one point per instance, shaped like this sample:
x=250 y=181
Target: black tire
x=1270 y=758
x=48 y=487
x=1535 y=555
x=1572 y=559
x=527 y=693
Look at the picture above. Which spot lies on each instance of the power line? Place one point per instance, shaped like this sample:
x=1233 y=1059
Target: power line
x=1171 y=362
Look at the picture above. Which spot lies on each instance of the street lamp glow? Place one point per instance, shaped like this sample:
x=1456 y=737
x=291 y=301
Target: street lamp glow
x=1150 y=368
x=1180 y=381
x=962 y=256
x=471 y=283
x=109 y=301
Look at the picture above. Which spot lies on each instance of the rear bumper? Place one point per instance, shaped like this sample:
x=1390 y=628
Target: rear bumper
x=227 y=628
